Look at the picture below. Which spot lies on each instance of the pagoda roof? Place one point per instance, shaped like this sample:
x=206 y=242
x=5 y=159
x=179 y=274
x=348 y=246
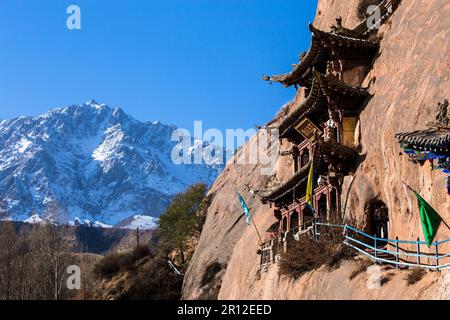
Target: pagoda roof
x=341 y=40
x=435 y=138
x=323 y=85
x=431 y=139
x=276 y=193
x=329 y=84
x=321 y=43
x=312 y=102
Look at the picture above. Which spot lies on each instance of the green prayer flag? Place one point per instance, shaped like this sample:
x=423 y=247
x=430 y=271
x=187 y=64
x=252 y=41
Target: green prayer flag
x=430 y=219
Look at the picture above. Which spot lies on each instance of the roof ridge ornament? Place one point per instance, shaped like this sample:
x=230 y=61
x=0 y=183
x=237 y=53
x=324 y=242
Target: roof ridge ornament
x=442 y=119
x=442 y=116
x=338 y=29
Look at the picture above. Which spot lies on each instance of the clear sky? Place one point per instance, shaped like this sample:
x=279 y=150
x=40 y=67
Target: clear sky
x=170 y=60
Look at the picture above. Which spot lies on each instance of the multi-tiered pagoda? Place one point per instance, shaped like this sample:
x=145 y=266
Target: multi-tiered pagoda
x=322 y=129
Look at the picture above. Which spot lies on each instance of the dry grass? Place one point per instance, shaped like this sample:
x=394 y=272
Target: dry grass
x=385 y=279
x=137 y=275
x=116 y=262
x=339 y=254
x=303 y=256
x=360 y=268
x=415 y=275
x=154 y=280
x=307 y=255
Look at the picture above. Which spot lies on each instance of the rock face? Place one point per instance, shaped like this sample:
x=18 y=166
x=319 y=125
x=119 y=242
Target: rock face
x=408 y=79
x=91 y=162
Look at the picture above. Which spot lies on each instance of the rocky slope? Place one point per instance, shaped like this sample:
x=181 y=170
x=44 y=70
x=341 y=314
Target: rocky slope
x=409 y=77
x=90 y=162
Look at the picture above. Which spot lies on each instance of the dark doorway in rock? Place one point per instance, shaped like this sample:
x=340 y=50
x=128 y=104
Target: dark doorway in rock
x=378 y=215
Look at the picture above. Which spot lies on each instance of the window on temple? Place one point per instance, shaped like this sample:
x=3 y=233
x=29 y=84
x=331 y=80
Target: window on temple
x=284 y=224
x=304 y=157
x=349 y=126
x=322 y=206
x=308 y=215
x=294 y=219
x=333 y=201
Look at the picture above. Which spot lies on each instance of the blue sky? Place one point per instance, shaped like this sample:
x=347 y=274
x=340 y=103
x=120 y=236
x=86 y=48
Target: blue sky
x=170 y=60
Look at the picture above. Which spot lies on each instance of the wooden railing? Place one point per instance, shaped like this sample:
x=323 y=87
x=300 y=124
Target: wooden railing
x=268 y=252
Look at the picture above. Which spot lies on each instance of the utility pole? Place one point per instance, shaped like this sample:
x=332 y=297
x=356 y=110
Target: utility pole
x=137 y=237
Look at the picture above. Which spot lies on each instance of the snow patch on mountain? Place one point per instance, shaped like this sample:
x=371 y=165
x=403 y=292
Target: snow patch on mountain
x=141 y=222
x=35 y=219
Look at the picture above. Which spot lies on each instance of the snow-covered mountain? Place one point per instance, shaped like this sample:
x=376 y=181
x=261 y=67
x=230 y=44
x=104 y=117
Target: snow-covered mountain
x=90 y=162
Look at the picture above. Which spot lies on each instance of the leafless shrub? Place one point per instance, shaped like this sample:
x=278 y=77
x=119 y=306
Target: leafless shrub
x=309 y=254
x=303 y=256
x=385 y=279
x=340 y=253
x=415 y=275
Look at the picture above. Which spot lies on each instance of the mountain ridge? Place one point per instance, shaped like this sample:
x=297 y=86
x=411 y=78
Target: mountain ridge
x=90 y=162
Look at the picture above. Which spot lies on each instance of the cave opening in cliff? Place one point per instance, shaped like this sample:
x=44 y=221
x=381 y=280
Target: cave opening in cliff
x=378 y=219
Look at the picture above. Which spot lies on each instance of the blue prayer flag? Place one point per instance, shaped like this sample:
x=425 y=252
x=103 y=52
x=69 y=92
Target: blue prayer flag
x=244 y=206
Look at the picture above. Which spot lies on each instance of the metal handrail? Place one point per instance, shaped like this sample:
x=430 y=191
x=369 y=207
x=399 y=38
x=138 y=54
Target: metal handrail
x=394 y=253
x=394 y=240
x=350 y=241
x=362 y=247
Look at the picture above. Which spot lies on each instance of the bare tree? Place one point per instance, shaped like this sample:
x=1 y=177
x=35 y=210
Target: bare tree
x=8 y=253
x=52 y=250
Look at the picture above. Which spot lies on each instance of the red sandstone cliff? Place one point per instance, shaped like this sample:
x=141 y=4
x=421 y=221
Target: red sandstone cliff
x=409 y=77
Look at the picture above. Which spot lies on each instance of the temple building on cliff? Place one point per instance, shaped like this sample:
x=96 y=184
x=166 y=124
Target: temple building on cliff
x=320 y=143
x=323 y=129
